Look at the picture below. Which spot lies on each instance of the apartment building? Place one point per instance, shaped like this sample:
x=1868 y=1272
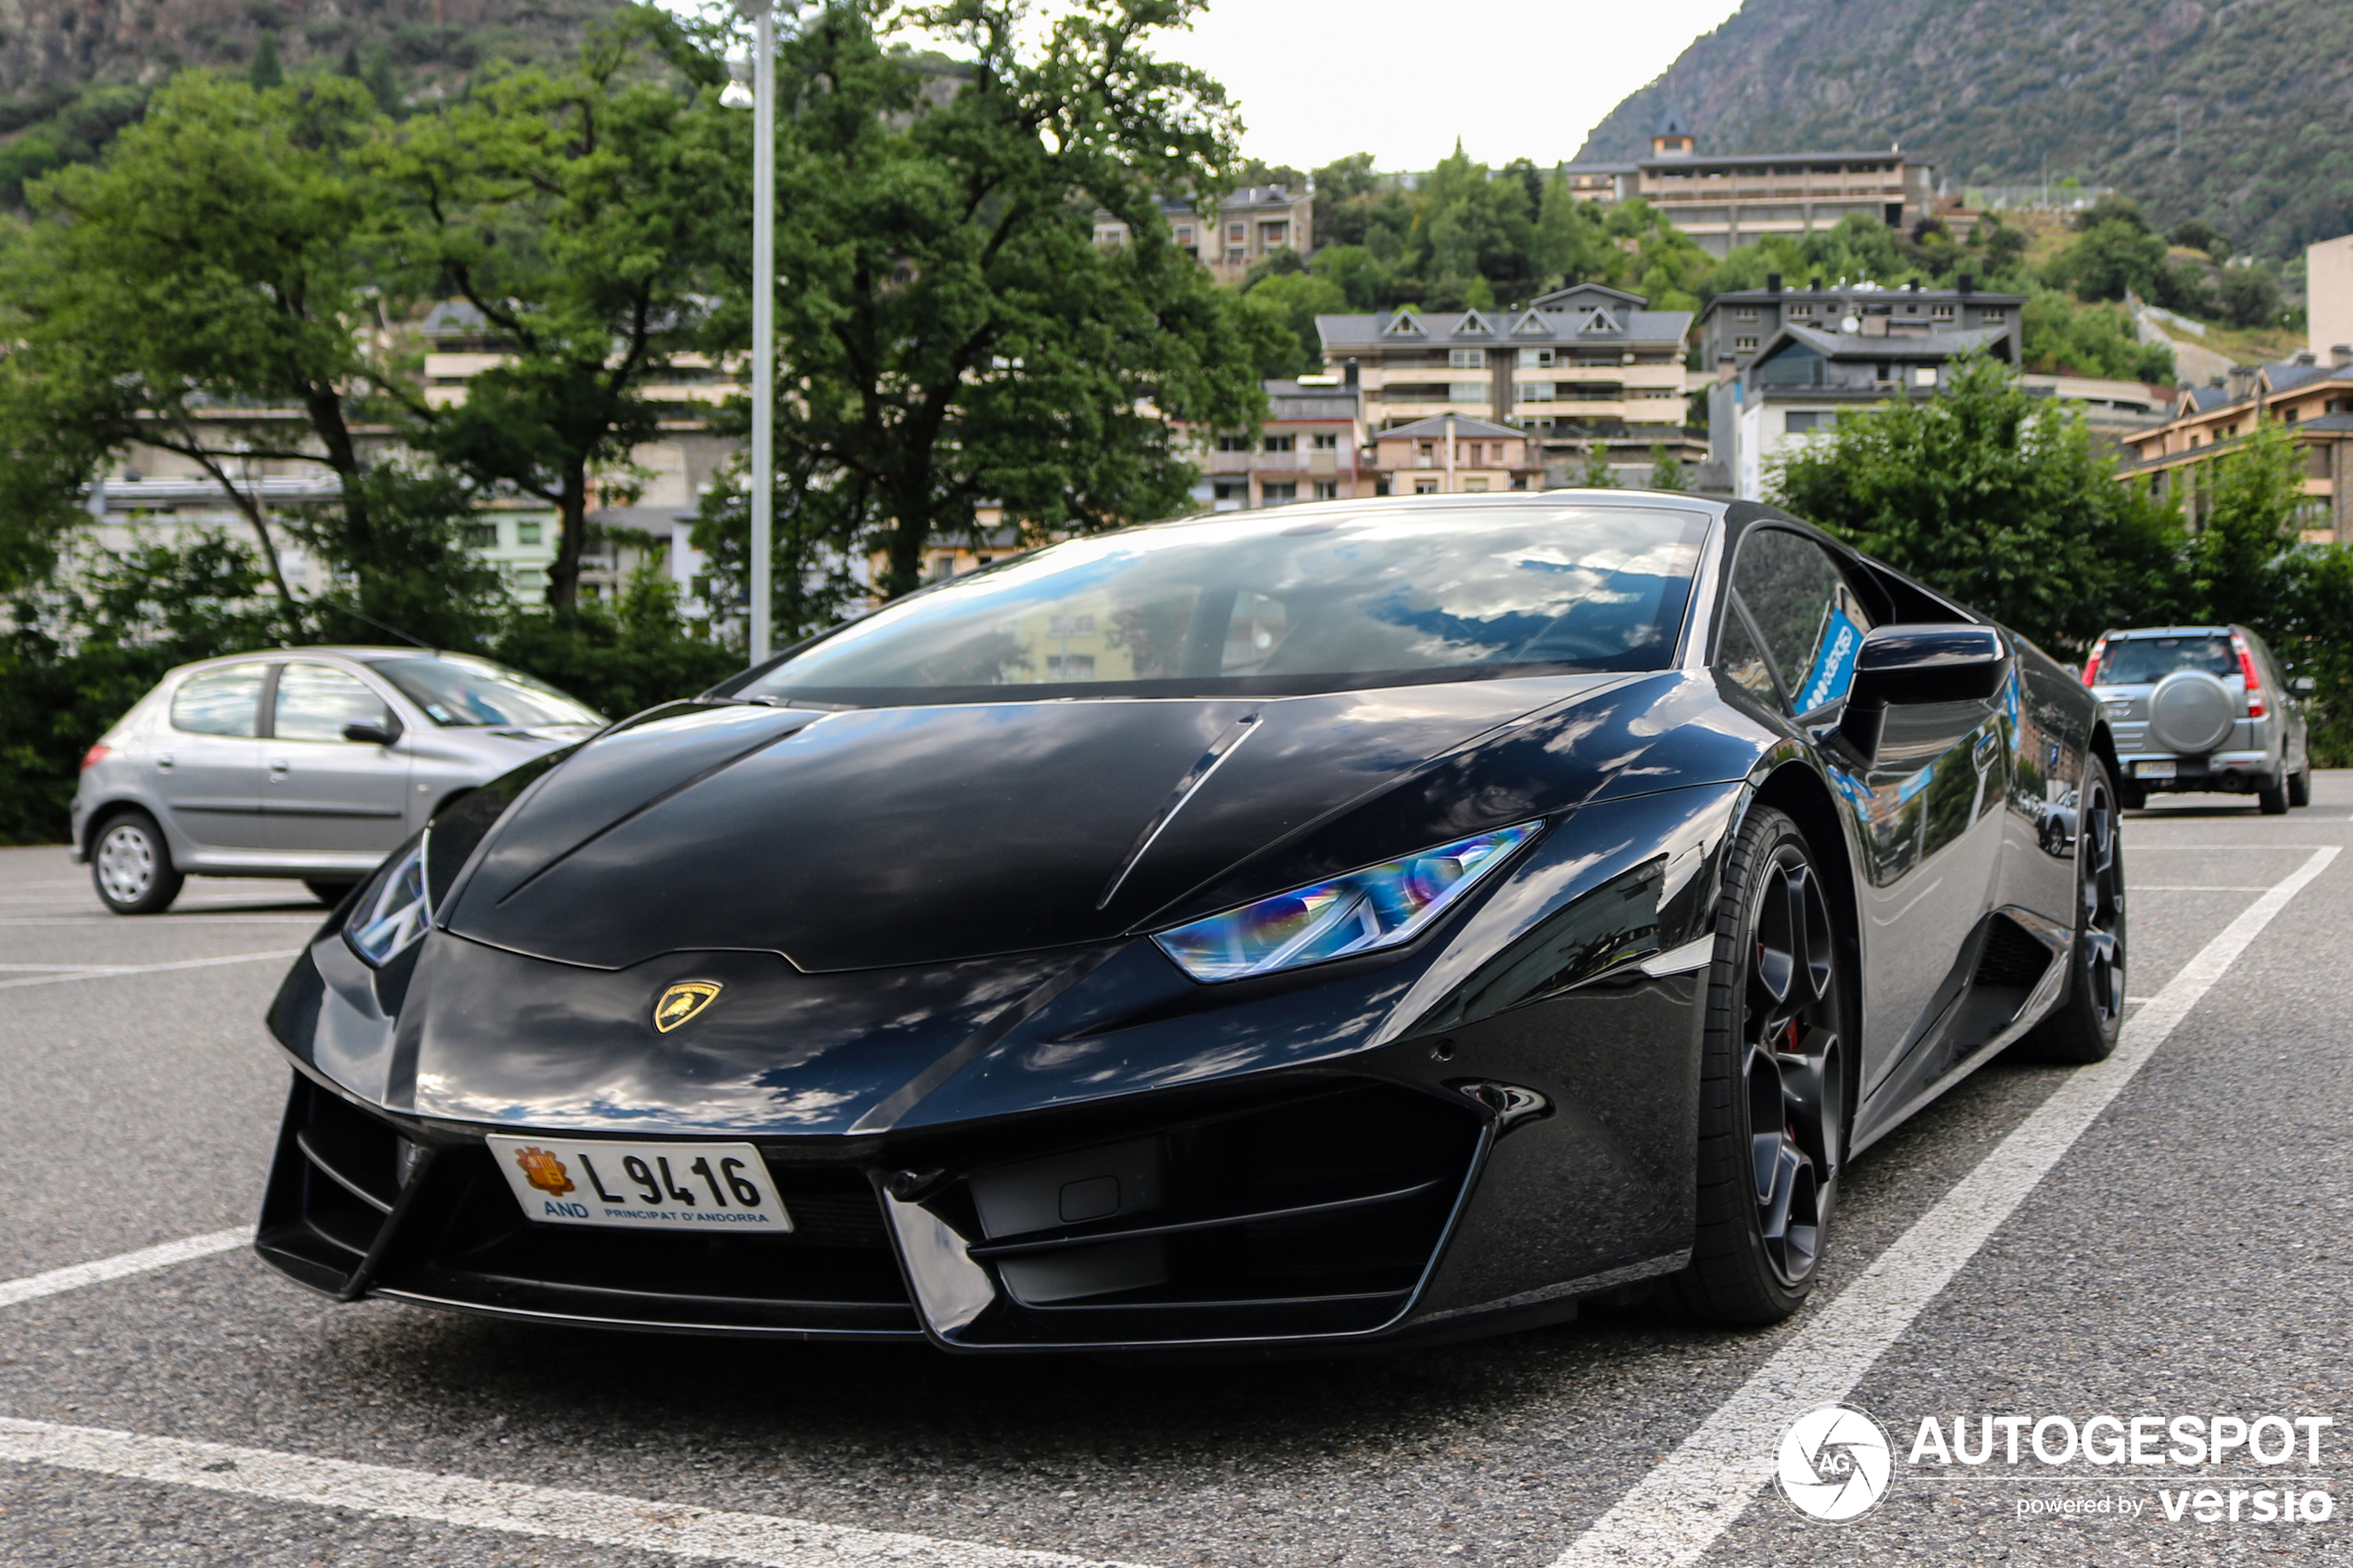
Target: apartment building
x=1455 y=455
x=1583 y=367
x=1311 y=447
x=1249 y=226
x=1726 y=199
x=1737 y=325
x=2312 y=400
x=1804 y=377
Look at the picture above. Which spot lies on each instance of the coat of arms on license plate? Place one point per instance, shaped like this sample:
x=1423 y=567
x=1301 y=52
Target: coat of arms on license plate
x=544 y=1171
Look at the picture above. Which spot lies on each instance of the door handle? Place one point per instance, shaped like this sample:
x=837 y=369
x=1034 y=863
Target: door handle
x=278 y=766
x=163 y=763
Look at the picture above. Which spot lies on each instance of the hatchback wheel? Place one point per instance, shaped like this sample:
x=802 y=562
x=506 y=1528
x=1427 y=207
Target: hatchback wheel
x=131 y=865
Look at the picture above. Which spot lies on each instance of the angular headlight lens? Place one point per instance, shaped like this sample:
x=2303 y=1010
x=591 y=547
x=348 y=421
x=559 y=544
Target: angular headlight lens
x=394 y=910
x=1378 y=907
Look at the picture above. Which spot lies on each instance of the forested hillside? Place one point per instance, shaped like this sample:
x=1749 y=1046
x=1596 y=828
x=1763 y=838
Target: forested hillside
x=2260 y=91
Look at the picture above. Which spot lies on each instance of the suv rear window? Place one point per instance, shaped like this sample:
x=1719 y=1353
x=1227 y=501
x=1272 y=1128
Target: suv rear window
x=2140 y=662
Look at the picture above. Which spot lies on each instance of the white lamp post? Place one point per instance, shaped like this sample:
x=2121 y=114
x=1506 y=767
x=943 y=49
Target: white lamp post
x=764 y=313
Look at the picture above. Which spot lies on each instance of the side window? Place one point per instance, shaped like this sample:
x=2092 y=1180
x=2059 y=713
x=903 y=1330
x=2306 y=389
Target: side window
x=1803 y=607
x=221 y=702
x=1739 y=657
x=315 y=702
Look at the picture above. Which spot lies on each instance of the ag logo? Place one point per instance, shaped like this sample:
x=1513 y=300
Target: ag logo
x=1835 y=1464
x=683 y=1001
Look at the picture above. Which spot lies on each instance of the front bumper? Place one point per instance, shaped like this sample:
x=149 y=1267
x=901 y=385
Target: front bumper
x=1309 y=1207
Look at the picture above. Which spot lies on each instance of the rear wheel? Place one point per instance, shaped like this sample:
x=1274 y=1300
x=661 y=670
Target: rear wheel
x=131 y=866
x=1772 y=1119
x=2083 y=1026
x=2300 y=786
x=2273 y=796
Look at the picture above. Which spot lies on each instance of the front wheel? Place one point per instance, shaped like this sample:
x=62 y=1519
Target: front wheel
x=2082 y=1028
x=1772 y=1118
x=131 y=866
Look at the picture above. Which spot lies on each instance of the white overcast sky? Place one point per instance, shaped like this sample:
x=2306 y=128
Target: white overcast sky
x=1511 y=78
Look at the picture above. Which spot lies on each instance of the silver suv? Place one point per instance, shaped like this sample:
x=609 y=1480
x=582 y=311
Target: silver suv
x=2202 y=708
x=299 y=763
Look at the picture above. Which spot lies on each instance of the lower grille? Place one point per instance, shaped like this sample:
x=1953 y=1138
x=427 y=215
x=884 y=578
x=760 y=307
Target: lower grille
x=354 y=1209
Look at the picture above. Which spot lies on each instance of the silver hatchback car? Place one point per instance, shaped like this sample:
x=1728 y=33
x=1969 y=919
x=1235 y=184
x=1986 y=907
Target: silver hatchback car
x=309 y=763
x=2202 y=708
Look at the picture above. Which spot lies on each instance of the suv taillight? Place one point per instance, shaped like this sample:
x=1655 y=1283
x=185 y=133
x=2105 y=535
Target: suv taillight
x=2092 y=665
x=2255 y=708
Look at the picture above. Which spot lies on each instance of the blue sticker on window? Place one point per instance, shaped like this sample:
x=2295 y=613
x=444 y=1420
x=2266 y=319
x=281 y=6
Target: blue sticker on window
x=1833 y=669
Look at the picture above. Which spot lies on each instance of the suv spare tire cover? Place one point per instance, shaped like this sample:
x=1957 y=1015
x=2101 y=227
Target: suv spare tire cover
x=2191 y=712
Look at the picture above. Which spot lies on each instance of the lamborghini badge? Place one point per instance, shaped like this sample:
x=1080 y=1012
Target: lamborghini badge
x=683 y=1001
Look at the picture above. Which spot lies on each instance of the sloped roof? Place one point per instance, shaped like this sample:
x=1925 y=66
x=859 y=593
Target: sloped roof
x=1560 y=298
x=1896 y=345
x=1438 y=327
x=1464 y=425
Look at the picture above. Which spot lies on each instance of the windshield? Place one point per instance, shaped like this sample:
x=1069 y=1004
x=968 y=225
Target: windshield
x=460 y=692
x=2140 y=662
x=1249 y=605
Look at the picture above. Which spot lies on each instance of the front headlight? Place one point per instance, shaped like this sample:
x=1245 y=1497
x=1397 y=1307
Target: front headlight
x=394 y=910
x=1360 y=913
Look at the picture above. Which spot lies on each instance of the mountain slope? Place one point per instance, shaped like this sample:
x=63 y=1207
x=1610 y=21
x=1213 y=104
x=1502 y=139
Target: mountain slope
x=2263 y=91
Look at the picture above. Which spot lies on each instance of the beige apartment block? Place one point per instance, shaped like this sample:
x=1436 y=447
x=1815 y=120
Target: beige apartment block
x=1249 y=225
x=1456 y=455
x=1726 y=199
x=2311 y=399
x=2328 y=294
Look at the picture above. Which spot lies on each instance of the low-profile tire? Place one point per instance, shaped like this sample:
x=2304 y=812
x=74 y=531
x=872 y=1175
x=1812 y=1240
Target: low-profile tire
x=2084 y=1027
x=2273 y=796
x=2300 y=786
x=131 y=865
x=327 y=890
x=1772 y=1114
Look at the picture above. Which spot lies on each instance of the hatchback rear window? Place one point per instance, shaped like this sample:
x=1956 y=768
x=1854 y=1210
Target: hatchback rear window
x=2140 y=662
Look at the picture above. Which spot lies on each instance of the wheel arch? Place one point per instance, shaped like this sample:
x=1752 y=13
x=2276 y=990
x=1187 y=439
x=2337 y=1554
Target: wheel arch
x=96 y=819
x=1801 y=793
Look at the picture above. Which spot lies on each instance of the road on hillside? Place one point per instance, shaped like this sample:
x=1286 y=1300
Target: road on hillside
x=2183 y=1247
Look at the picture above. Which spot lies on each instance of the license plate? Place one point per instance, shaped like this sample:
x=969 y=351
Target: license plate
x=2154 y=770
x=663 y=1186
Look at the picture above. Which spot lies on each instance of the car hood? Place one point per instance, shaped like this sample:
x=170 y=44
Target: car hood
x=931 y=835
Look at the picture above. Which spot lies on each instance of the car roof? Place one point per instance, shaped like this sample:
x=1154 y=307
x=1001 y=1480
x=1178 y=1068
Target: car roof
x=2173 y=631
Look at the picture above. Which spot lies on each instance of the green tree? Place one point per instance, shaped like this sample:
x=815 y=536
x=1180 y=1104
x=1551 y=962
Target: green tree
x=2003 y=500
x=949 y=331
x=1597 y=474
x=212 y=273
x=2247 y=528
x=1668 y=470
x=2251 y=296
x=1295 y=299
x=584 y=217
x=266 y=72
x=2062 y=337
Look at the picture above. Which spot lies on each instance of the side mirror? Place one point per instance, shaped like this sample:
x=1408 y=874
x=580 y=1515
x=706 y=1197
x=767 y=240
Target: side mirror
x=374 y=734
x=2301 y=685
x=1899 y=666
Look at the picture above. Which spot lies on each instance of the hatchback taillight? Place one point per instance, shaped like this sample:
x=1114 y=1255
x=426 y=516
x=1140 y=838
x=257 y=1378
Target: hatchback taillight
x=2255 y=708
x=95 y=756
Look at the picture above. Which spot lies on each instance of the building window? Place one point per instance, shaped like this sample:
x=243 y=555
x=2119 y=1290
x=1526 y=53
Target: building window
x=483 y=536
x=1328 y=490
x=1941 y=312
x=526 y=533
x=1466 y=358
x=1070 y=667
x=1468 y=391
x=1110 y=234
x=1994 y=313
x=1231 y=496
x=1744 y=344
x=1233 y=443
x=1066 y=625
x=1477 y=486
x=1535 y=359
x=1325 y=441
x=1236 y=234
x=1799 y=420
x=1281 y=443
x=1272 y=234
x=1280 y=494
x=1744 y=313
x=1800 y=312
x=1536 y=392
x=1425 y=487
x=1184 y=234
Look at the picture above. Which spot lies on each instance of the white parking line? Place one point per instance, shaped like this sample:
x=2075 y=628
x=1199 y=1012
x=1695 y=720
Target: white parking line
x=2197 y=887
x=98 y=1272
x=167 y=922
x=116 y=970
x=1676 y=1511
x=597 y=1518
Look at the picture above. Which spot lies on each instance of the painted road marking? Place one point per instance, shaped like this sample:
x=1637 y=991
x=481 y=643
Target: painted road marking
x=173 y=922
x=112 y=971
x=598 y=1518
x=1676 y=1511
x=74 y=1276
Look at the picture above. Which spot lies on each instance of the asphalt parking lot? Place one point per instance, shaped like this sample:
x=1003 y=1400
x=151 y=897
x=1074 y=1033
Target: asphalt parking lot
x=2171 y=1240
